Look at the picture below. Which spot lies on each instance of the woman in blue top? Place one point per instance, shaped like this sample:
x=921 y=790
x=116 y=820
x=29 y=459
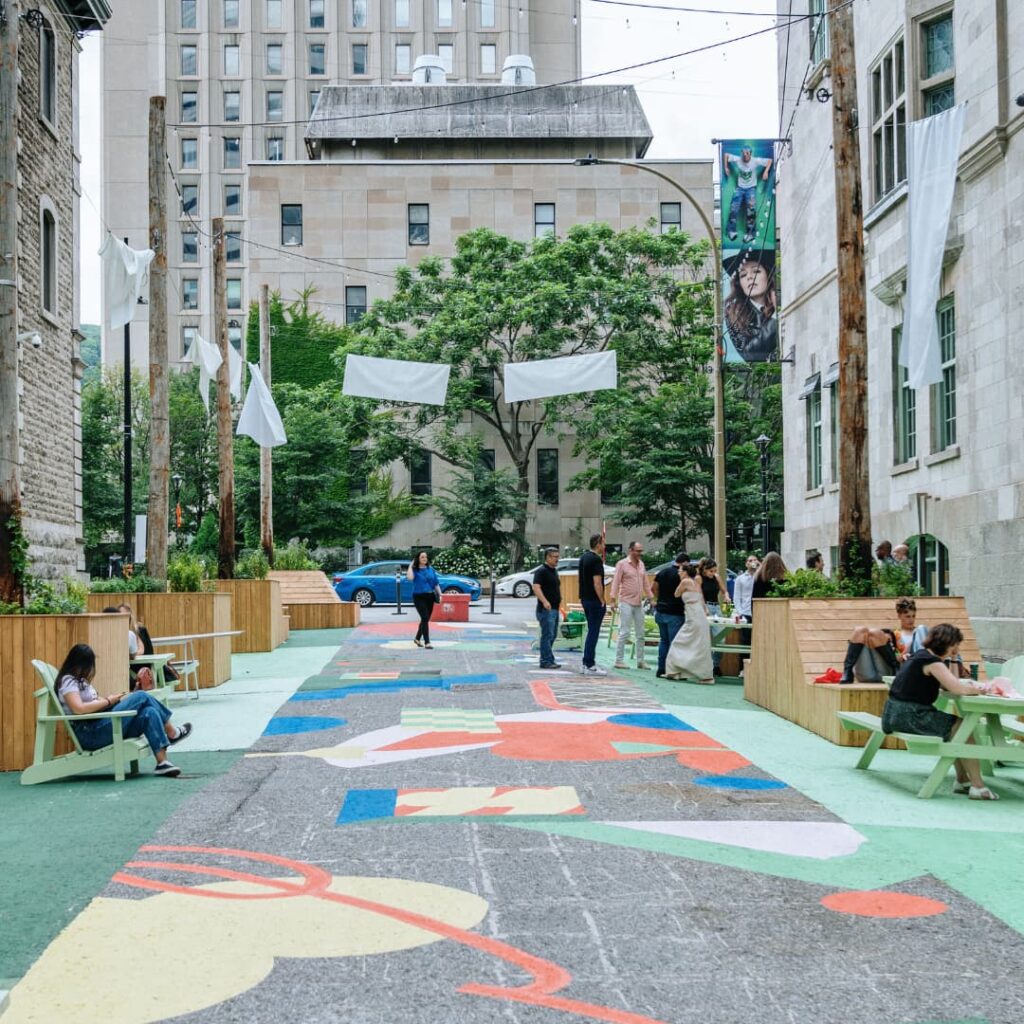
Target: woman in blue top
x=426 y=591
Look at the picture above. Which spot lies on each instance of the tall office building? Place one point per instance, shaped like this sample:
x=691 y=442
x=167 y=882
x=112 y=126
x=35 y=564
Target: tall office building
x=241 y=79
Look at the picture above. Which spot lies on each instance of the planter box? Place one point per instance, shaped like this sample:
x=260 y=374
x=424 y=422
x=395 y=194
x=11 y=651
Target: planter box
x=257 y=610
x=796 y=640
x=49 y=638
x=311 y=603
x=178 y=614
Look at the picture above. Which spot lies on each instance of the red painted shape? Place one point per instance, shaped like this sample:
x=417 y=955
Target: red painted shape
x=717 y=762
x=878 y=903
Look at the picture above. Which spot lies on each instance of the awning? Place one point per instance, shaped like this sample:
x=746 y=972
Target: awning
x=812 y=384
x=831 y=376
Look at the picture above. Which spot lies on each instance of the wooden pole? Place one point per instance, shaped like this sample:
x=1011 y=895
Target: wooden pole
x=10 y=435
x=159 y=399
x=854 y=481
x=225 y=434
x=266 y=454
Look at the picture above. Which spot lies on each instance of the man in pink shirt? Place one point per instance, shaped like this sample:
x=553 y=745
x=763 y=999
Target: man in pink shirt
x=630 y=586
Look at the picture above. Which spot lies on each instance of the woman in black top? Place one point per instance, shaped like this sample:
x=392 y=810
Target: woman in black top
x=914 y=691
x=772 y=568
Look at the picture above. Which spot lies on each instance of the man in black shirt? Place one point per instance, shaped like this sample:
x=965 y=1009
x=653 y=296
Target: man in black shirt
x=548 y=587
x=670 y=612
x=592 y=598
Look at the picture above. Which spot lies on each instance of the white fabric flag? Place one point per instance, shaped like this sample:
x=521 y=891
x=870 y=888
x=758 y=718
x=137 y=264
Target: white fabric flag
x=260 y=419
x=567 y=375
x=207 y=358
x=396 y=380
x=235 y=367
x=125 y=278
x=933 y=149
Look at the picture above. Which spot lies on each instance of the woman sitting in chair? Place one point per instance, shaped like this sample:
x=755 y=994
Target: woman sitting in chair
x=77 y=696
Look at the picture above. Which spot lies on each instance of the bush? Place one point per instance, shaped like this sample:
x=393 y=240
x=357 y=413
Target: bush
x=44 y=597
x=891 y=580
x=186 y=573
x=128 y=585
x=469 y=562
x=207 y=538
x=253 y=565
x=807 y=583
x=295 y=556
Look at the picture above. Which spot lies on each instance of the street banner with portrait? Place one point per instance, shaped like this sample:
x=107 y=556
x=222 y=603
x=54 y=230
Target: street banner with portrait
x=750 y=326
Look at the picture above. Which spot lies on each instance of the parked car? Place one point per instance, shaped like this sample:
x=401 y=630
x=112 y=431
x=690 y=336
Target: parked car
x=729 y=579
x=520 y=584
x=375 y=582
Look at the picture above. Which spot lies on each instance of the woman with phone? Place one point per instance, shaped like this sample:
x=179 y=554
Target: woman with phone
x=426 y=592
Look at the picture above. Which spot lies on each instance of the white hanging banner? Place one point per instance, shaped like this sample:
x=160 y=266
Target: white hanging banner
x=259 y=418
x=566 y=375
x=207 y=358
x=125 y=278
x=933 y=150
x=235 y=366
x=395 y=380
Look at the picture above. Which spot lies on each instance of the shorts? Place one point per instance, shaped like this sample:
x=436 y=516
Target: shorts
x=919 y=719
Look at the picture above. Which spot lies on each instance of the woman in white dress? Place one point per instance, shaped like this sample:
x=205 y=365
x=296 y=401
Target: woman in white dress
x=689 y=657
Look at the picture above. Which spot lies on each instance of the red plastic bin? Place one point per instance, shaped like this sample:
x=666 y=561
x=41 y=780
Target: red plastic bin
x=453 y=608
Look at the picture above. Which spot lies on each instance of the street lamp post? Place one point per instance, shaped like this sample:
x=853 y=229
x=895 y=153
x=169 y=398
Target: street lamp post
x=762 y=443
x=718 y=385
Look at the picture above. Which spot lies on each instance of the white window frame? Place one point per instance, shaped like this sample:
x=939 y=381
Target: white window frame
x=279 y=47
x=888 y=119
x=447 y=59
x=185 y=47
x=402 y=13
x=405 y=49
x=490 y=49
x=49 y=261
x=322 y=16
x=927 y=84
x=275 y=105
x=818 y=39
x=366 y=58
x=544 y=228
x=322 y=47
x=48 y=76
x=278 y=23
x=236 y=51
x=184 y=292
x=237 y=22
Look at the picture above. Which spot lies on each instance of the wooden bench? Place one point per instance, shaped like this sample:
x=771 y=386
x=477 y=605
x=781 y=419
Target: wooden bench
x=310 y=602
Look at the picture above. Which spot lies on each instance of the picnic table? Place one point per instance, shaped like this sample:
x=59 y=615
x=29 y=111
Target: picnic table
x=188 y=667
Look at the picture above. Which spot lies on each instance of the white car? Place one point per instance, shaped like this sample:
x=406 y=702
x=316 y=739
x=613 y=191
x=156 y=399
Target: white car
x=520 y=584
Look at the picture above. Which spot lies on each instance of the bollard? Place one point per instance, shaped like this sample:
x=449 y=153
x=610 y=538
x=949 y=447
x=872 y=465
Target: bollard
x=398 y=593
x=493 y=581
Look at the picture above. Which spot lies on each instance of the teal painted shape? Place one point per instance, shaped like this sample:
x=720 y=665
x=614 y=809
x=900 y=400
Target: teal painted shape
x=641 y=748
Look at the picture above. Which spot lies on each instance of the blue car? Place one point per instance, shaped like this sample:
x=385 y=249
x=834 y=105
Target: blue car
x=375 y=582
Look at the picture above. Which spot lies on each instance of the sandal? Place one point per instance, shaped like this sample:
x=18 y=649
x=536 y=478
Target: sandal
x=981 y=793
x=961 y=787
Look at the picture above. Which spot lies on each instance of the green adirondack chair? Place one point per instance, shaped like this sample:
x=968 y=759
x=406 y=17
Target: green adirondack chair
x=122 y=754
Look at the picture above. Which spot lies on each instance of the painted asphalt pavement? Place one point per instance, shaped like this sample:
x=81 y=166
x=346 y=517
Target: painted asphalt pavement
x=453 y=835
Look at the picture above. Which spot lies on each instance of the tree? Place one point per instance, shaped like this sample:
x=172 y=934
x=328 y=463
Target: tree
x=473 y=509
x=502 y=301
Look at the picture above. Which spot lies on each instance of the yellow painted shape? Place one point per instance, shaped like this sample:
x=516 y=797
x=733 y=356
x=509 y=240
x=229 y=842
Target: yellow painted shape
x=466 y=799
x=172 y=954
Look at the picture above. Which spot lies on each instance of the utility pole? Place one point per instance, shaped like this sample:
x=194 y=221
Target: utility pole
x=159 y=399
x=854 y=482
x=10 y=436
x=225 y=434
x=126 y=381
x=266 y=454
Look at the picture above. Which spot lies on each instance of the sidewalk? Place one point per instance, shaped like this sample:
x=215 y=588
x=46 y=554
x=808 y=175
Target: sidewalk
x=452 y=835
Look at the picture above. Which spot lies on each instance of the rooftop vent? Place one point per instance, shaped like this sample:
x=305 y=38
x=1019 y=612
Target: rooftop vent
x=428 y=70
x=518 y=70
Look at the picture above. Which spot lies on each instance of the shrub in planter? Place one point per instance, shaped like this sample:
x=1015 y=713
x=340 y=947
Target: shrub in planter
x=128 y=585
x=186 y=573
x=253 y=565
x=295 y=556
x=44 y=597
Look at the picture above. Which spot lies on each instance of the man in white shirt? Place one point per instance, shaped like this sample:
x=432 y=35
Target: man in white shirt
x=746 y=165
x=743 y=588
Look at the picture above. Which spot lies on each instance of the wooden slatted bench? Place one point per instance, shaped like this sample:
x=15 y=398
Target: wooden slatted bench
x=309 y=601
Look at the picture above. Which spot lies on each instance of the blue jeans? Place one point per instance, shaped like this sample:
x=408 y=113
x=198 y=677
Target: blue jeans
x=150 y=716
x=548 y=632
x=668 y=626
x=594 y=611
x=741 y=197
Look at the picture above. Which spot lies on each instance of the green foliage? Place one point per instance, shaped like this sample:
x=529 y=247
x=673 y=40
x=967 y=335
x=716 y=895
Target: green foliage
x=468 y=562
x=296 y=556
x=17 y=551
x=44 y=597
x=186 y=573
x=807 y=583
x=89 y=353
x=302 y=341
x=128 y=585
x=886 y=581
x=207 y=538
x=473 y=508
x=890 y=580
x=253 y=565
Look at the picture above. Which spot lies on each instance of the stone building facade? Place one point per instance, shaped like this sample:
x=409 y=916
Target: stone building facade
x=49 y=368
x=946 y=462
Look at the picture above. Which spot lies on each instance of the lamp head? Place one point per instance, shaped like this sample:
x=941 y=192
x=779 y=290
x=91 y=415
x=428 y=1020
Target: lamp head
x=762 y=442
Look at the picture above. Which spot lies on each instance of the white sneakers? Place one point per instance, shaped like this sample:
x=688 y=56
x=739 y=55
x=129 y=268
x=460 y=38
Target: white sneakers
x=593 y=670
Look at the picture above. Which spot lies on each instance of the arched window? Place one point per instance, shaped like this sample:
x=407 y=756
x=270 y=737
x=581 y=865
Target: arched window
x=931 y=564
x=48 y=256
x=48 y=74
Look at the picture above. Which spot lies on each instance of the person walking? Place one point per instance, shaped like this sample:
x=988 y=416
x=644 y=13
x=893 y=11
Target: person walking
x=689 y=657
x=547 y=586
x=630 y=586
x=591 y=570
x=426 y=592
x=670 y=611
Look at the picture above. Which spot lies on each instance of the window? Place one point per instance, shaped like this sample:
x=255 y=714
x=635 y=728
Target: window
x=189 y=154
x=232 y=200
x=231 y=13
x=234 y=292
x=275 y=16
x=275 y=58
x=403 y=58
x=316 y=13
x=419 y=473
x=275 y=148
x=356 y=471
x=189 y=247
x=813 y=432
x=889 y=121
x=48 y=259
x=543 y=219
x=488 y=58
x=314 y=95
x=190 y=199
x=189 y=107
x=355 y=303
x=188 y=13
x=931 y=564
x=190 y=293
x=235 y=335
x=444 y=13
x=485 y=461
x=232 y=106
x=833 y=421
x=188 y=339
x=904 y=407
x=937 y=65
x=291 y=224
x=944 y=394
x=189 y=61
x=359 y=58
x=483 y=383
x=818 y=24
x=446 y=51
x=232 y=154
x=233 y=246
x=232 y=60
x=401 y=13
x=611 y=495
x=317 y=59
x=487 y=13
x=275 y=105
x=359 y=13
x=547 y=476
x=419 y=224
x=671 y=217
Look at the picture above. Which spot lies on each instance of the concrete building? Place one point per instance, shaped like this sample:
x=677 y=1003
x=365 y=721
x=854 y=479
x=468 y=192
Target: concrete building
x=241 y=79
x=48 y=408
x=946 y=462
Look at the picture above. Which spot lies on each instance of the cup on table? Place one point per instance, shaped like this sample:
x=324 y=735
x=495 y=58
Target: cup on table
x=973 y=668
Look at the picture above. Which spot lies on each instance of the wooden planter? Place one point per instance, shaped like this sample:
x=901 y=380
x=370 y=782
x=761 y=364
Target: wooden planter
x=311 y=603
x=178 y=614
x=49 y=638
x=257 y=610
x=795 y=640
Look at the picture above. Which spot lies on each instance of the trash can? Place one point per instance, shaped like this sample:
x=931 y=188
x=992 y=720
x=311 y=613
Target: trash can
x=453 y=608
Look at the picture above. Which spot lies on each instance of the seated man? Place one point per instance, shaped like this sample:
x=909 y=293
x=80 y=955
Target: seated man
x=876 y=652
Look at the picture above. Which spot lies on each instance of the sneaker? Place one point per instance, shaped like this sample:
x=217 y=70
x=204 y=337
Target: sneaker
x=659 y=675
x=594 y=670
x=183 y=733
x=172 y=771
x=732 y=236
x=620 y=665
x=642 y=666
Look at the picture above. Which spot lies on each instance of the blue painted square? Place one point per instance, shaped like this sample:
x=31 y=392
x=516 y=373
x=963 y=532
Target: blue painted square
x=367 y=805
x=738 y=782
x=654 y=720
x=286 y=725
